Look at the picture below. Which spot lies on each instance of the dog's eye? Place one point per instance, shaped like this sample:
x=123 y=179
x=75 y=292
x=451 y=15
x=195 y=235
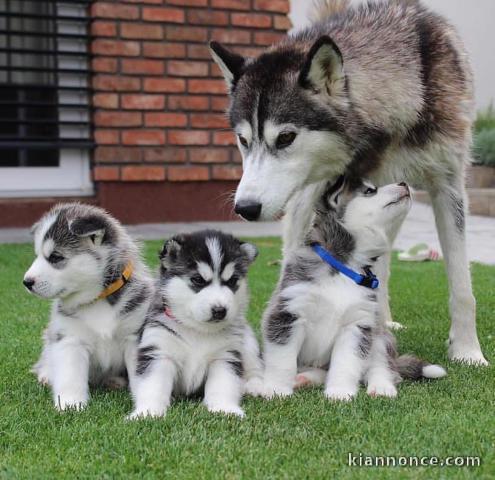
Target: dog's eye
x=55 y=258
x=370 y=191
x=198 y=281
x=232 y=281
x=285 y=139
x=243 y=141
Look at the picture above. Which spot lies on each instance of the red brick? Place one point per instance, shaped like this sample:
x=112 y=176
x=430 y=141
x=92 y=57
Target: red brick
x=209 y=120
x=215 y=70
x=155 y=2
x=185 y=174
x=191 y=34
x=232 y=36
x=279 y=6
x=209 y=155
x=188 y=3
x=106 y=100
x=164 y=50
x=105 y=174
x=143 y=173
x=114 y=10
x=249 y=51
x=117 y=154
x=104 y=29
x=187 y=68
x=104 y=64
x=224 y=172
x=236 y=156
x=137 y=67
x=140 y=30
x=267 y=38
x=198 y=51
x=116 y=83
x=251 y=20
x=207 y=86
x=219 y=104
x=224 y=138
x=187 y=102
x=172 y=85
x=165 y=155
x=188 y=137
x=106 y=137
x=156 y=14
x=232 y=4
x=143 y=137
x=115 y=48
x=282 y=22
x=207 y=17
x=165 y=119
x=117 y=119
x=143 y=102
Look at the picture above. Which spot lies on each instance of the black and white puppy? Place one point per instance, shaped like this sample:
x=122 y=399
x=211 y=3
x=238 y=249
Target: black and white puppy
x=322 y=317
x=91 y=269
x=196 y=338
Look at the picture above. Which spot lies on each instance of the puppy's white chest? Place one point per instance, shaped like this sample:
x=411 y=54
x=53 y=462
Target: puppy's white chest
x=102 y=320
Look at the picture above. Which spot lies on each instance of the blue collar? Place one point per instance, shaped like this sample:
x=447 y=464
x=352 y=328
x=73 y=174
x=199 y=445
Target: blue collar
x=369 y=280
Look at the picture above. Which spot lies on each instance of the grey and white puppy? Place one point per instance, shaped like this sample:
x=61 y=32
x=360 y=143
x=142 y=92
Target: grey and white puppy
x=91 y=269
x=322 y=318
x=196 y=338
x=384 y=91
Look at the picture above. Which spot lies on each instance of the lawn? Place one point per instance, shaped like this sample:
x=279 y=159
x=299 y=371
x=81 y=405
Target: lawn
x=301 y=437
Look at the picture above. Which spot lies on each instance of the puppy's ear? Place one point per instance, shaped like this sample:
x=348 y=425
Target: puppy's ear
x=330 y=200
x=35 y=227
x=171 y=249
x=249 y=250
x=231 y=64
x=91 y=226
x=323 y=70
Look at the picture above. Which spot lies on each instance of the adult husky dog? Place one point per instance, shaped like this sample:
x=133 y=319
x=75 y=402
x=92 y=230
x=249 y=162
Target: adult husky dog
x=382 y=91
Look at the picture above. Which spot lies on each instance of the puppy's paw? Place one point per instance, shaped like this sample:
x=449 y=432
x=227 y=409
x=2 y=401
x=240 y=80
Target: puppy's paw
x=41 y=373
x=271 y=390
x=254 y=387
x=228 y=409
x=142 y=413
x=391 y=325
x=384 y=389
x=338 y=393
x=66 y=401
x=310 y=377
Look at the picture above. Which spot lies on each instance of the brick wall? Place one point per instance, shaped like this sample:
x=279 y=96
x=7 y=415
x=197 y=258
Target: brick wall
x=159 y=100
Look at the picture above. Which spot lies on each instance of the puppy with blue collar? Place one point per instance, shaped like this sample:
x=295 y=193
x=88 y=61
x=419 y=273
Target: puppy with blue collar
x=323 y=320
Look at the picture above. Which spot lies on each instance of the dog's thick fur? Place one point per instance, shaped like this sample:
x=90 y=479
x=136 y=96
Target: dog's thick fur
x=319 y=318
x=81 y=250
x=195 y=338
x=383 y=91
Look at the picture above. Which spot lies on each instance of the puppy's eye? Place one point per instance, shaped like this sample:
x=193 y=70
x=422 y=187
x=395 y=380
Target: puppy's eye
x=198 y=281
x=243 y=141
x=232 y=281
x=370 y=191
x=55 y=258
x=285 y=139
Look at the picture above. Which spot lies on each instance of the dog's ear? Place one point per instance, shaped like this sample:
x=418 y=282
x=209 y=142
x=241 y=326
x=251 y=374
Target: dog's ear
x=231 y=64
x=91 y=226
x=323 y=70
x=171 y=249
x=249 y=250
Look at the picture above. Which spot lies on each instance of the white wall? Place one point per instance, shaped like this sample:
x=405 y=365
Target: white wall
x=475 y=20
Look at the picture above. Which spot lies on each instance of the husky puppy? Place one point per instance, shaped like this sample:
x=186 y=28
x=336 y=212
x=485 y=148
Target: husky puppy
x=324 y=312
x=91 y=269
x=384 y=91
x=195 y=338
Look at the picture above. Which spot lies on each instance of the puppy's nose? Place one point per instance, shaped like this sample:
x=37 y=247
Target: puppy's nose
x=218 y=313
x=28 y=283
x=248 y=210
x=404 y=184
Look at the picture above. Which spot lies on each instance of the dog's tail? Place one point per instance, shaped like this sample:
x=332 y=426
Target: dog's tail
x=326 y=8
x=413 y=368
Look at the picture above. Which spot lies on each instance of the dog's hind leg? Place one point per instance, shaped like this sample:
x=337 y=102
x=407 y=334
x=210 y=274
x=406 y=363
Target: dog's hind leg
x=449 y=204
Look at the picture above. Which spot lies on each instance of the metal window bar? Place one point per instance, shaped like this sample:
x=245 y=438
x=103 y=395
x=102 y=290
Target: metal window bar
x=44 y=78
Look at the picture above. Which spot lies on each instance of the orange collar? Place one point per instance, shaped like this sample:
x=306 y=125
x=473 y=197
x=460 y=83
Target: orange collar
x=118 y=284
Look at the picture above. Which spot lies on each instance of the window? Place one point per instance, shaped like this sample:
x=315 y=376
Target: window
x=45 y=134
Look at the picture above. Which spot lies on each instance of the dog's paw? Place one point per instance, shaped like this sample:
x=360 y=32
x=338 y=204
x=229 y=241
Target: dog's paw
x=65 y=402
x=273 y=390
x=228 y=409
x=142 y=413
x=469 y=356
x=254 y=387
x=340 y=393
x=384 y=389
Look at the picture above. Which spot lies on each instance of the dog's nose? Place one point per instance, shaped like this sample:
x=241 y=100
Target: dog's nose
x=248 y=210
x=218 y=313
x=28 y=283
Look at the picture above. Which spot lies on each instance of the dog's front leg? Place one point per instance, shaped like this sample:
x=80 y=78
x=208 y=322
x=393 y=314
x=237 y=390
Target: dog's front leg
x=69 y=374
x=252 y=364
x=152 y=386
x=223 y=388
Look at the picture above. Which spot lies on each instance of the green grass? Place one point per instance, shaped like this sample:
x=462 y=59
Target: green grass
x=301 y=437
